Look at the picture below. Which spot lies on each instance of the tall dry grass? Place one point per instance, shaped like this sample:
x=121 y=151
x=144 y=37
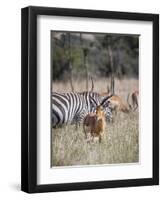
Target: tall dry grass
x=122 y=87
x=119 y=145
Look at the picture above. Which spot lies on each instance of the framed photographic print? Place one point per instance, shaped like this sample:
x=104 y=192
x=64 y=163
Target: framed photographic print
x=90 y=99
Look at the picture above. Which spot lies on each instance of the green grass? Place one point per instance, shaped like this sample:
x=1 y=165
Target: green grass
x=119 y=145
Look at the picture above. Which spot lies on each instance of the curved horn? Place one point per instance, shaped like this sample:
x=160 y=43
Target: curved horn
x=105 y=99
x=92 y=84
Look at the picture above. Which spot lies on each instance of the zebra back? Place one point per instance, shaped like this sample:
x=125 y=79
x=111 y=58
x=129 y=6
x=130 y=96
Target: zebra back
x=73 y=107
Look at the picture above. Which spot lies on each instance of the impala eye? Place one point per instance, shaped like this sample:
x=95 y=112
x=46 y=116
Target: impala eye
x=106 y=104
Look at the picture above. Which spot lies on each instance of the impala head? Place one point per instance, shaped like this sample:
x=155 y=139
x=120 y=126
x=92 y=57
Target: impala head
x=129 y=105
x=100 y=106
x=133 y=97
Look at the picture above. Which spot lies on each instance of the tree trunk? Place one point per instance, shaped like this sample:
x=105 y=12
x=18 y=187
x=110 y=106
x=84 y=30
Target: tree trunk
x=70 y=64
x=71 y=78
x=84 y=55
x=110 y=52
x=86 y=71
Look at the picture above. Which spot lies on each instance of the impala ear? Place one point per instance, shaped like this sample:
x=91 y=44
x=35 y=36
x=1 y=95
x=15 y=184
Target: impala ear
x=105 y=100
x=106 y=104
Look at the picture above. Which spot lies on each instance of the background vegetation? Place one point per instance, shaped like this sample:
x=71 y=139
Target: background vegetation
x=77 y=56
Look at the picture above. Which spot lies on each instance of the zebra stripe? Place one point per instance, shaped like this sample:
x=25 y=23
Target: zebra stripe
x=73 y=107
x=65 y=107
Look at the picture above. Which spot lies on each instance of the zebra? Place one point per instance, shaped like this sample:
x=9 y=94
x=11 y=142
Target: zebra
x=72 y=107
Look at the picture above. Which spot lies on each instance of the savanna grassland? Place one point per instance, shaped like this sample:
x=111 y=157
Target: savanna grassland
x=120 y=143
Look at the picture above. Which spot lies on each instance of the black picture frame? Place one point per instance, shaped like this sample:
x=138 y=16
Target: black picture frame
x=29 y=99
